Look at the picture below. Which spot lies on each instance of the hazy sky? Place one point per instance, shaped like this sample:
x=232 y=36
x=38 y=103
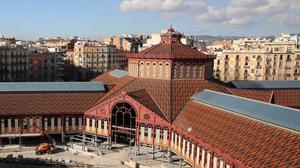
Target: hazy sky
x=30 y=19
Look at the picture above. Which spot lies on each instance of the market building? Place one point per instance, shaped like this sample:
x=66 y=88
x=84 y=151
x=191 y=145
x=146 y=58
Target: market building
x=167 y=99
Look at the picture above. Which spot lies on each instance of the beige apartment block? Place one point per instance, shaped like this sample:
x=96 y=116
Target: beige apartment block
x=93 y=55
x=276 y=60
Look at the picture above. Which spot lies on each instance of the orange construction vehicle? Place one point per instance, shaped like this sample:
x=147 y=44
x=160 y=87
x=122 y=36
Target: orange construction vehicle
x=49 y=147
x=44 y=148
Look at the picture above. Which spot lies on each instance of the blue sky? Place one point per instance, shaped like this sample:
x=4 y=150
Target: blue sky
x=30 y=19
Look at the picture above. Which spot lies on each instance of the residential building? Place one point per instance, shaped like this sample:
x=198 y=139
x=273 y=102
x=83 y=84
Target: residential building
x=260 y=60
x=46 y=66
x=13 y=63
x=94 y=56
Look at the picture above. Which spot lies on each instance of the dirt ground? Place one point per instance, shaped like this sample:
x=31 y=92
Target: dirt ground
x=110 y=159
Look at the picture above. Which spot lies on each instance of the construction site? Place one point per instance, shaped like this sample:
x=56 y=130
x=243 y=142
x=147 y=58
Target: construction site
x=84 y=151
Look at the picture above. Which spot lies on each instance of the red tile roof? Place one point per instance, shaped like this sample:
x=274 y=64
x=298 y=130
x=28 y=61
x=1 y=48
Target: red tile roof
x=260 y=95
x=171 y=51
x=253 y=143
x=287 y=97
x=46 y=103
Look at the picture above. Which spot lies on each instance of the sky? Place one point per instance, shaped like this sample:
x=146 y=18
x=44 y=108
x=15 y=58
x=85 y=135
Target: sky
x=30 y=19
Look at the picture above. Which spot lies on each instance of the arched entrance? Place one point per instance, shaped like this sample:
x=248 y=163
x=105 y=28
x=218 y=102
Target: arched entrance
x=123 y=121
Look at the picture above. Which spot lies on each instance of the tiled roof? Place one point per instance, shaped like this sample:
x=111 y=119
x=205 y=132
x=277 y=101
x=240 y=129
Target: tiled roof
x=287 y=97
x=169 y=95
x=254 y=143
x=46 y=103
x=145 y=99
x=274 y=114
x=261 y=95
x=171 y=51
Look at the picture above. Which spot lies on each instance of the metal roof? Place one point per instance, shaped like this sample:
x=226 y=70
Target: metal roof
x=270 y=113
x=118 y=73
x=287 y=84
x=51 y=86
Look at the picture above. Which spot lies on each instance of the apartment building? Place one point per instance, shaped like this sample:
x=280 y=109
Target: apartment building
x=13 y=63
x=262 y=60
x=93 y=56
x=46 y=66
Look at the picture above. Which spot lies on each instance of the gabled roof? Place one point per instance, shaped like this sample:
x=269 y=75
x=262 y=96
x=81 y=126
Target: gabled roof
x=267 y=84
x=249 y=141
x=171 y=51
x=266 y=112
x=51 y=87
x=144 y=97
x=49 y=103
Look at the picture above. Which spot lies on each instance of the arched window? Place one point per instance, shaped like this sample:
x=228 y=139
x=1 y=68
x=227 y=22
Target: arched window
x=167 y=71
x=142 y=69
x=154 y=70
x=123 y=115
x=160 y=71
x=148 y=70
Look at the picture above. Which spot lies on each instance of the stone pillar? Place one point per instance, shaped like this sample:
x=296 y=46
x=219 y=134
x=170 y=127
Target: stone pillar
x=228 y=165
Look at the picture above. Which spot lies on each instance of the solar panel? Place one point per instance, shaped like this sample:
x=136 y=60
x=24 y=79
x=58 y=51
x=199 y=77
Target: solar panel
x=292 y=84
x=118 y=73
x=275 y=114
x=51 y=86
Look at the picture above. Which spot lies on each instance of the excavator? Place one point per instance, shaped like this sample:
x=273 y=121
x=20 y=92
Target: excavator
x=46 y=147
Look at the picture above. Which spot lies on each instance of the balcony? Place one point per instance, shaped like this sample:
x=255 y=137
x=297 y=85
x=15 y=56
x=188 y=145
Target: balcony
x=246 y=66
x=269 y=66
x=258 y=67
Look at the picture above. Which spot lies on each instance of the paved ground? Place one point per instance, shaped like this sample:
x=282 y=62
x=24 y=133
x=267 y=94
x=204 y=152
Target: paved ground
x=110 y=159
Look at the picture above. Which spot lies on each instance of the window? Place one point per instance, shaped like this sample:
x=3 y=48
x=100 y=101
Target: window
x=160 y=71
x=153 y=70
x=142 y=69
x=174 y=71
x=187 y=71
x=200 y=71
x=194 y=71
x=148 y=70
x=181 y=71
x=167 y=70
